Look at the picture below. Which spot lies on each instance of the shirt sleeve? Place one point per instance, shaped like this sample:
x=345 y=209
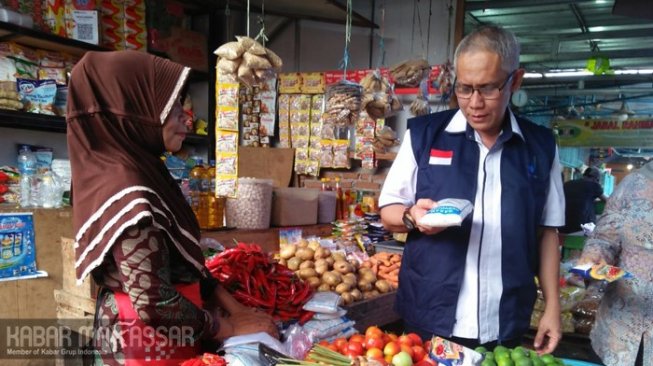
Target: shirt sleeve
x=143 y=263
x=401 y=182
x=553 y=214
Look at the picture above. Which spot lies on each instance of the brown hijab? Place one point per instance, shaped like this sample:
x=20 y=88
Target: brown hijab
x=117 y=105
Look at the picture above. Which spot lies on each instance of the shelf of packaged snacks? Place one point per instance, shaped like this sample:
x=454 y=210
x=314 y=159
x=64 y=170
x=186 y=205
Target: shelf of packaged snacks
x=268 y=239
x=43 y=40
x=32 y=121
x=378 y=156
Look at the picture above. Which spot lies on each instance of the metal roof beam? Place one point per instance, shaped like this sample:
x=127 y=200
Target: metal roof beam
x=487 y=4
x=570 y=56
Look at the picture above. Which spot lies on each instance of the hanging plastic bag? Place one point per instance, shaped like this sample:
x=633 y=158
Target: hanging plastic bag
x=379 y=98
x=343 y=103
x=410 y=73
x=420 y=105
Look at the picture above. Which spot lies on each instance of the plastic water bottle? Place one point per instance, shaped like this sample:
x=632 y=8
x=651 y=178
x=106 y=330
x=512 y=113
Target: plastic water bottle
x=49 y=190
x=28 y=180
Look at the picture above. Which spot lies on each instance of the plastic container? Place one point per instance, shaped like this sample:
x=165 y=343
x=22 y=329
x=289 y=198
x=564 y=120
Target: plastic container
x=326 y=207
x=28 y=179
x=215 y=216
x=294 y=206
x=252 y=206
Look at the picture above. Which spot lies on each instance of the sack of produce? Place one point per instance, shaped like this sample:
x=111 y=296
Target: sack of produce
x=252 y=206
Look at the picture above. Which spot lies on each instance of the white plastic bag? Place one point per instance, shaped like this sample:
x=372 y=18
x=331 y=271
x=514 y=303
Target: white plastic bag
x=449 y=212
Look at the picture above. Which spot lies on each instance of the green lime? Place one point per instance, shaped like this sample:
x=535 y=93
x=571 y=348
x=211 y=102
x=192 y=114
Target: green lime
x=488 y=362
x=533 y=354
x=517 y=354
x=548 y=359
x=538 y=362
x=501 y=356
x=498 y=349
x=489 y=355
x=505 y=362
x=480 y=349
x=525 y=361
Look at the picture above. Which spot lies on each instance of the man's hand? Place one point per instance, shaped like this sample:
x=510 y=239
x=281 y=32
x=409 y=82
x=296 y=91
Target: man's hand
x=548 y=332
x=419 y=210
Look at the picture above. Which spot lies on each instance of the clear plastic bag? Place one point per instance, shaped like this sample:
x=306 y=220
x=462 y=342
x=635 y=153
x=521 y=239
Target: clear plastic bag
x=323 y=302
x=343 y=103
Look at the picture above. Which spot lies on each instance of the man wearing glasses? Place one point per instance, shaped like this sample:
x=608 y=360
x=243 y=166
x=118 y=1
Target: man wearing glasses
x=475 y=284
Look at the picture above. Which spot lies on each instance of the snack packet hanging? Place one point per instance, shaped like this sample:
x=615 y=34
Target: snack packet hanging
x=600 y=272
x=449 y=212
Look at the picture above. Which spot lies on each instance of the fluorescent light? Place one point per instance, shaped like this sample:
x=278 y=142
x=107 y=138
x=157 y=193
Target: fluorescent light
x=533 y=75
x=629 y=166
x=634 y=72
x=563 y=74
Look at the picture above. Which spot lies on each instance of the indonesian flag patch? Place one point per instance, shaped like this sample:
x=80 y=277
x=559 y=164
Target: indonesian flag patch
x=440 y=157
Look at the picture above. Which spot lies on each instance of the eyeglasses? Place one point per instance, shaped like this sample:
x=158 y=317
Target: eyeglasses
x=487 y=92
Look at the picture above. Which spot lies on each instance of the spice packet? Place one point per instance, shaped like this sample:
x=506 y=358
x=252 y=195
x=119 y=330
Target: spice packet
x=449 y=212
x=445 y=352
x=600 y=272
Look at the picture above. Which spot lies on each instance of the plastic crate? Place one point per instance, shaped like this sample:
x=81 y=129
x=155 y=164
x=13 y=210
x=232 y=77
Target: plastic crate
x=569 y=362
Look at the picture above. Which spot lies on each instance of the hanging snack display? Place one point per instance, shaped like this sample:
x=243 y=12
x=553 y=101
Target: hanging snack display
x=314 y=144
x=420 y=106
x=300 y=114
x=379 y=100
x=343 y=103
x=226 y=134
x=257 y=113
x=410 y=73
x=364 y=148
x=250 y=61
x=385 y=138
x=284 y=120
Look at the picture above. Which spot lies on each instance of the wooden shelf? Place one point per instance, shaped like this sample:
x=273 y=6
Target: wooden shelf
x=32 y=121
x=48 y=41
x=268 y=239
x=379 y=156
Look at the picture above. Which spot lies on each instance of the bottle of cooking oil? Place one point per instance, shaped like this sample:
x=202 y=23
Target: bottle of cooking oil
x=216 y=204
x=199 y=186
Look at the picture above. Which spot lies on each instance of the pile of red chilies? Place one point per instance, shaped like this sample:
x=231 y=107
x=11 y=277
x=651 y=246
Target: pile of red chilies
x=255 y=280
x=206 y=359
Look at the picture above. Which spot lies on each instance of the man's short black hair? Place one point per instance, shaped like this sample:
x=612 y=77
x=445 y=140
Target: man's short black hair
x=592 y=173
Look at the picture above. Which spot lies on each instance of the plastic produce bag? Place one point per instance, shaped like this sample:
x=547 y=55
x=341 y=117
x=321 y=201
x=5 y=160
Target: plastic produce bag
x=297 y=342
x=449 y=212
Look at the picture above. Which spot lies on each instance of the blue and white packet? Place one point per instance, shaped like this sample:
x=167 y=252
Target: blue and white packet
x=449 y=212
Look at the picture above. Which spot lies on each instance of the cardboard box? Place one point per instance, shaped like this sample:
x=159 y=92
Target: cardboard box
x=294 y=206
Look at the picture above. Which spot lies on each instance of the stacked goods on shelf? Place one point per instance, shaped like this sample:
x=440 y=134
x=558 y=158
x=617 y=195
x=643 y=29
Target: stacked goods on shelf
x=226 y=132
x=257 y=113
x=33 y=80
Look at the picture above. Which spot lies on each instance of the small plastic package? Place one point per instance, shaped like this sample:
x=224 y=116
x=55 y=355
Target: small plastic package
x=323 y=302
x=449 y=212
x=600 y=272
x=447 y=352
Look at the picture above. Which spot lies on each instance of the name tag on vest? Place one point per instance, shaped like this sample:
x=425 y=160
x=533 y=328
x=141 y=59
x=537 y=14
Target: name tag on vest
x=440 y=157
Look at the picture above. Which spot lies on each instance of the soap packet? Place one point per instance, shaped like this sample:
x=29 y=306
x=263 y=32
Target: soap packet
x=445 y=352
x=600 y=272
x=449 y=212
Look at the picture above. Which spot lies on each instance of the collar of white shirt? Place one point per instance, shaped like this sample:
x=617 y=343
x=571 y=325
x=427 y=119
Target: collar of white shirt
x=458 y=124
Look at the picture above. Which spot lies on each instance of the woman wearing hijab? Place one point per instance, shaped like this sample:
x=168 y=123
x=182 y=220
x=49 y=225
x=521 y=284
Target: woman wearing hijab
x=135 y=233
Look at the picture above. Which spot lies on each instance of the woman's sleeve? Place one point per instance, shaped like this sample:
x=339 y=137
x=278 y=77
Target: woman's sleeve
x=143 y=262
x=604 y=244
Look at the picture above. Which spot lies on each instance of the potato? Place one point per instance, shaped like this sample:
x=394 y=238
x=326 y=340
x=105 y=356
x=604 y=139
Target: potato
x=330 y=260
x=320 y=253
x=321 y=266
x=302 y=243
x=356 y=294
x=306 y=273
x=314 y=244
x=383 y=286
x=305 y=253
x=314 y=282
x=332 y=278
x=287 y=251
x=346 y=298
x=368 y=276
x=350 y=279
x=293 y=263
x=343 y=267
x=342 y=288
x=307 y=264
x=364 y=285
x=338 y=257
x=368 y=295
x=324 y=287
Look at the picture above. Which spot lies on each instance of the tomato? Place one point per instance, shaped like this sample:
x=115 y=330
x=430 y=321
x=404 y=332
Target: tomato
x=391 y=349
x=333 y=347
x=404 y=339
x=373 y=330
x=374 y=342
x=408 y=349
x=375 y=353
x=323 y=343
x=393 y=337
x=339 y=342
x=418 y=353
x=417 y=340
x=355 y=348
x=357 y=338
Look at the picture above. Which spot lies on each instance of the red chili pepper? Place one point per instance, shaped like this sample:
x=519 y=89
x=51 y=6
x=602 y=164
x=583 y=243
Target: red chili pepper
x=305 y=317
x=248 y=299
